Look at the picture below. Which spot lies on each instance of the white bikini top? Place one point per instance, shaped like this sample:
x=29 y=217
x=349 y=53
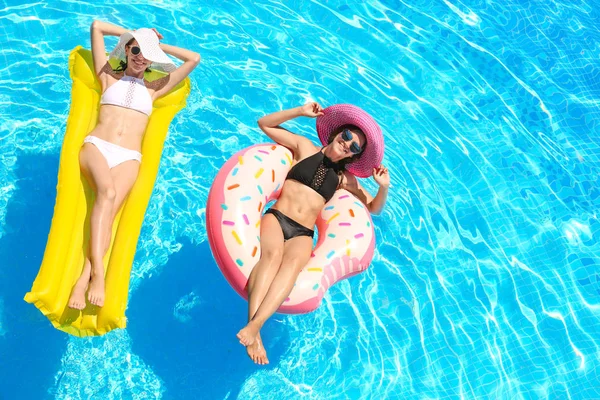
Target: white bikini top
x=129 y=92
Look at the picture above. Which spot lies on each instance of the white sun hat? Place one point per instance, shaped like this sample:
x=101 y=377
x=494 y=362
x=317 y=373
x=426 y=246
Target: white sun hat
x=148 y=42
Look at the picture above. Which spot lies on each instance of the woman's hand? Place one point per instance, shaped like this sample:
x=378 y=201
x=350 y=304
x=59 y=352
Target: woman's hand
x=311 y=110
x=158 y=34
x=381 y=176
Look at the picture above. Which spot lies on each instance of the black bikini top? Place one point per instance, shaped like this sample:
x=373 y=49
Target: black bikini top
x=317 y=172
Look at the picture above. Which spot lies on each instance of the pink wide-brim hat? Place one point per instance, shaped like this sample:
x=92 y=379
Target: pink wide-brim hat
x=347 y=114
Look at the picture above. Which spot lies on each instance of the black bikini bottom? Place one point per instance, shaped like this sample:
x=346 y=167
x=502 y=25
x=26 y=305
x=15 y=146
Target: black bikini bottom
x=290 y=228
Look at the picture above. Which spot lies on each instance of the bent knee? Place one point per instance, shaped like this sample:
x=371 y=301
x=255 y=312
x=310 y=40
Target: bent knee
x=272 y=256
x=296 y=264
x=107 y=193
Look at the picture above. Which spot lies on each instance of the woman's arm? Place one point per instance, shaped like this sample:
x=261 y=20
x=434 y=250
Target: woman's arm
x=270 y=125
x=375 y=204
x=98 y=30
x=190 y=61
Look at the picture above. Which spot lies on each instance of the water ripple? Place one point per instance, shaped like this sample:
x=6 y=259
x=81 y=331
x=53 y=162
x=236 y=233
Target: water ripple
x=484 y=283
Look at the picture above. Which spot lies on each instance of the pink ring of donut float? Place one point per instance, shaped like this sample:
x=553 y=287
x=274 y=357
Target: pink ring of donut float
x=247 y=182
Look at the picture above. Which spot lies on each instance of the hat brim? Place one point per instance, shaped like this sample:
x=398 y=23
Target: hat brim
x=347 y=114
x=149 y=47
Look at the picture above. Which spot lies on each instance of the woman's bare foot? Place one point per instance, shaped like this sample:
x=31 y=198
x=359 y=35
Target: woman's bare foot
x=248 y=335
x=256 y=351
x=77 y=300
x=96 y=291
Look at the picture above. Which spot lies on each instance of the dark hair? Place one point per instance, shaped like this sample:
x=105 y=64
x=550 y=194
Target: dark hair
x=342 y=163
x=123 y=64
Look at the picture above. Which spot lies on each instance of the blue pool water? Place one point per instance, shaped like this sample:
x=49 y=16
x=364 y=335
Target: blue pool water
x=485 y=283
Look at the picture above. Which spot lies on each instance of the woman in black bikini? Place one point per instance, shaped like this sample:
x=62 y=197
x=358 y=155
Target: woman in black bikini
x=287 y=228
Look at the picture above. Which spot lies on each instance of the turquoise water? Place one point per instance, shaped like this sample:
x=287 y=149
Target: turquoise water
x=485 y=282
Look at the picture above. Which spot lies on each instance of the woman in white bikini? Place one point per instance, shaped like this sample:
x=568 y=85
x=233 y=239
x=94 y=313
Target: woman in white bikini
x=110 y=156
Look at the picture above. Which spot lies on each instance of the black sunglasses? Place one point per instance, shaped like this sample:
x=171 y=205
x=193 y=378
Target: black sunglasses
x=354 y=147
x=135 y=50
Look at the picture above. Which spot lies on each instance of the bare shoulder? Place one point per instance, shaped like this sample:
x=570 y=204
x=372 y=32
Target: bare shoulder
x=158 y=84
x=108 y=76
x=351 y=184
x=306 y=148
x=349 y=180
x=109 y=71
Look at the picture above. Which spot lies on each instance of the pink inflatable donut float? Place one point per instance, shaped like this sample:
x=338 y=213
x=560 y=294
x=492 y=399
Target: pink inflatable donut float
x=247 y=182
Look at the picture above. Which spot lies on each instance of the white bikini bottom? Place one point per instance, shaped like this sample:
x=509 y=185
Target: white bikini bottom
x=113 y=153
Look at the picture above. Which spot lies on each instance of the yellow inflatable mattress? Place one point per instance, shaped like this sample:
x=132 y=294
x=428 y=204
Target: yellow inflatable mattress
x=70 y=230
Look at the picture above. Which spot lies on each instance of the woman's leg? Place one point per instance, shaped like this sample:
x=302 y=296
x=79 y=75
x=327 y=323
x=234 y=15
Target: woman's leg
x=123 y=177
x=263 y=273
x=296 y=254
x=271 y=254
x=95 y=169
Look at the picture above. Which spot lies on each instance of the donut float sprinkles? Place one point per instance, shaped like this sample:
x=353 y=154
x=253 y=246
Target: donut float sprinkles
x=247 y=182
